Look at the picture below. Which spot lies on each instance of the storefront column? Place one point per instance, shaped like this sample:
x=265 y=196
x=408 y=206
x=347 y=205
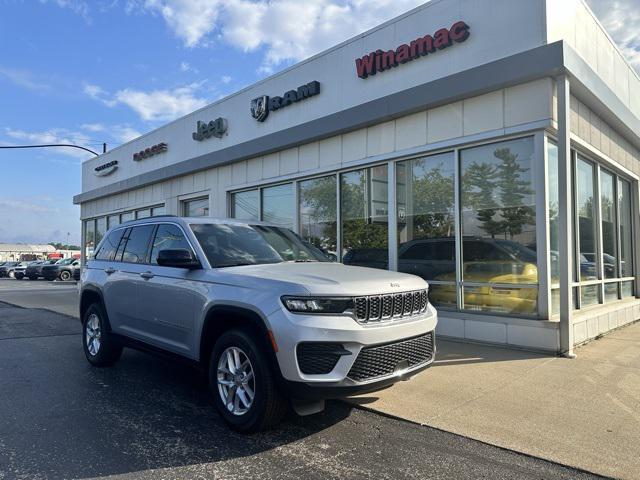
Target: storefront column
x=565 y=217
x=392 y=211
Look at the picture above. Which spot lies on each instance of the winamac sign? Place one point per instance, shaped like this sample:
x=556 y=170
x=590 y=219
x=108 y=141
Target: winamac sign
x=379 y=61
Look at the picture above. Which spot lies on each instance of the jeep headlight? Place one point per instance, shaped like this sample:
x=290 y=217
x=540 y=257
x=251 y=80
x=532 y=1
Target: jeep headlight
x=319 y=305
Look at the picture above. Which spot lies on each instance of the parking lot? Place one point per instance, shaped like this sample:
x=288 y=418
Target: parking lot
x=148 y=418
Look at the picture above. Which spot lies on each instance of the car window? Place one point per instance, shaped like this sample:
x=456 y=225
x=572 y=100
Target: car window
x=168 y=237
x=135 y=250
x=227 y=245
x=419 y=251
x=109 y=246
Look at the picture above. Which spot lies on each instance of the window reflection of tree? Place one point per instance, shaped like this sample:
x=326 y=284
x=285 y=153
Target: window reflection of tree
x=358 y=230
x=433 y=201
x=497 y=191
x=318 y=207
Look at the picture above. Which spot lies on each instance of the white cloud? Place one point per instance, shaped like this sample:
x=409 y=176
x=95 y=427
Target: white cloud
x=76 y=6
x=226 y=79
x=23 y=78
x=191 y=20
x=621 y=19
x=154 y=105
x=93 y=127
x=124 y=133
x=55 y=136
x=289 y=29
x=121 y=132
x=25 y=206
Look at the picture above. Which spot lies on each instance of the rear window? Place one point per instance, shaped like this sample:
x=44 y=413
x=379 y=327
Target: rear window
x=109 y=246
x=137 y=245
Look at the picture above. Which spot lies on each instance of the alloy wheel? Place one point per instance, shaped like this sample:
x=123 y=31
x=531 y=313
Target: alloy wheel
x=93 y=334
x=236 y=381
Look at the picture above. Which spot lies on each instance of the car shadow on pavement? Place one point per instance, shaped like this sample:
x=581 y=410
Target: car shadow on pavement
x=65 y=419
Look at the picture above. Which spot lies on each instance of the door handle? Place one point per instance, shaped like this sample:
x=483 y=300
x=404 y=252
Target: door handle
x=147 y=275
x=109 y=270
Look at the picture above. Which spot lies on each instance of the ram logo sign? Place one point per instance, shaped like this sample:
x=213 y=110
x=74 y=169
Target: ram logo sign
x=261 y=106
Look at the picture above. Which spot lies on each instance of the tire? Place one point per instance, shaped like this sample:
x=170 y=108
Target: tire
x=18 y=276
x=65 y=275
x=268 y=405
x=106 y=351
x=12 y=274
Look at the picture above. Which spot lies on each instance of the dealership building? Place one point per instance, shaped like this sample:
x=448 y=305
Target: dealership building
x=490 y=146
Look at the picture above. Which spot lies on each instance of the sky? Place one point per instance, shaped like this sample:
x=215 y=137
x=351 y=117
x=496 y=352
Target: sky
x=88 y=72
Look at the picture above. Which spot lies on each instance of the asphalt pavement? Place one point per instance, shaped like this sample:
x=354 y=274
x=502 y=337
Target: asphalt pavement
x=151 y=418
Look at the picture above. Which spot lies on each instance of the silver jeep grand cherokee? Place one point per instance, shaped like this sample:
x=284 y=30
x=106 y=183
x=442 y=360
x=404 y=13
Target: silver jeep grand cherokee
x=268 y=316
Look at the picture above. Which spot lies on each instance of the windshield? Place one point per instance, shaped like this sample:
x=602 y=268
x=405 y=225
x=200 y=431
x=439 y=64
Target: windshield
x=233 y=245
x=66 y=261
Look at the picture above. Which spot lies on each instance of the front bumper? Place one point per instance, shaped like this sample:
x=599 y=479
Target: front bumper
x=290 y=330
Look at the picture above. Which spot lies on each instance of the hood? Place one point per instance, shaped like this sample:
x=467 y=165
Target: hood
x=332 y=278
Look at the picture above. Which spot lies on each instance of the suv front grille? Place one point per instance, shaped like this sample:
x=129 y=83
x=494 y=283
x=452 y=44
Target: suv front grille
x=383 y=360
x=383 y=307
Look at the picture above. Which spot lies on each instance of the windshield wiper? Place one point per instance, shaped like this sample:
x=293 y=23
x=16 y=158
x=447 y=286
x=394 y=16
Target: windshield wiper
x=239 y=264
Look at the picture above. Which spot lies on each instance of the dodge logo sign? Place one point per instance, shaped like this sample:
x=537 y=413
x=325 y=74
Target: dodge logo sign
x=150 y=152
x=261 y=106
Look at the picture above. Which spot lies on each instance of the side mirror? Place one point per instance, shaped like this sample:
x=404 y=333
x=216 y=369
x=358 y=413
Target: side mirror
x=178 y=258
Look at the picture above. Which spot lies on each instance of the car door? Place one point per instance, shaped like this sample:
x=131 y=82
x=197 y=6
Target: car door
x=121 y=287
x=170 y=297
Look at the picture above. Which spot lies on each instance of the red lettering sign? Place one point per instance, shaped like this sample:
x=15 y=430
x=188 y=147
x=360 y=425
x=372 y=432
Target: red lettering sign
x=379 y=61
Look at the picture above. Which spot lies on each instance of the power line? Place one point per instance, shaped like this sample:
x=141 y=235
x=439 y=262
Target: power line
x=70 y=145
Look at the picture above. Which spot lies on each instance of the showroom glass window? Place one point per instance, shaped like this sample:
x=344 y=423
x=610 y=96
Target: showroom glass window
x=498 y=223
x=246 y=205
x=553 y=207
x=609 y=258
x=625 y=235
x=318 y=213
x=113 y=220
x=158 y=211
x=364 y=211
x=101 y=229
x=90 y=237
x=278 y=205
x=145 y=213
x=425 y=190
x=196 y=208
x=586 y=241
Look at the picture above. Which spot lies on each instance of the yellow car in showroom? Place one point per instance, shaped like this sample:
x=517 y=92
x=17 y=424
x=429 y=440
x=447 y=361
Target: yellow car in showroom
x=498 y=263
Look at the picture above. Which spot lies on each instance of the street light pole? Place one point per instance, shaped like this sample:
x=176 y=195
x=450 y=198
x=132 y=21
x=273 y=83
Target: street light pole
x=69 y=145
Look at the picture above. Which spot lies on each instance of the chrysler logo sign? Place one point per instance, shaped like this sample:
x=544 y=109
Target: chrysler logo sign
x=106 y=168
x=261 y=106
x=379 y=61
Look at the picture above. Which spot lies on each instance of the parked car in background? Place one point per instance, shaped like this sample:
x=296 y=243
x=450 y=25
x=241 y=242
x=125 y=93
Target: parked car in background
x=34 y=270
x=64 y=270
x=19 y=272
x=8 y=270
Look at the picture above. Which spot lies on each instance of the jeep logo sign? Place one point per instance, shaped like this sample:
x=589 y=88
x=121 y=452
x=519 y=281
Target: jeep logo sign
x=261 y=106
x=214 y=128
x=106 y=168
